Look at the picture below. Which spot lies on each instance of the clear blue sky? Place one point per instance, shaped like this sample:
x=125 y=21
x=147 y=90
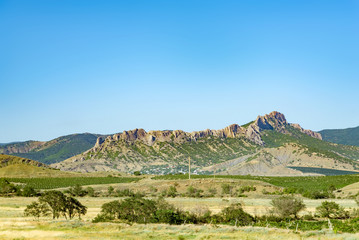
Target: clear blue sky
x=108 y=66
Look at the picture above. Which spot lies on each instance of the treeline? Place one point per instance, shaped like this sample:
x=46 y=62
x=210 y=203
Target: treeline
x=284 y=214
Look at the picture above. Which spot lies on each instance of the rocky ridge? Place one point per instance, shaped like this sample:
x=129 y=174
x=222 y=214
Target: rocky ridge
x=273 y=121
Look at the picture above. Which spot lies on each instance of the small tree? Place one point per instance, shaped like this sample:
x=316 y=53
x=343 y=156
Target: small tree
x=77 y=191
x=29 y=191
x=37 y=210
x=286 y=206
x=137 y=173
x=331 y=210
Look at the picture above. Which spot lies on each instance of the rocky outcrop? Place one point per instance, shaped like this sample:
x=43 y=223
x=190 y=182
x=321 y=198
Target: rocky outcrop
x=273 y=121
x=306 y=131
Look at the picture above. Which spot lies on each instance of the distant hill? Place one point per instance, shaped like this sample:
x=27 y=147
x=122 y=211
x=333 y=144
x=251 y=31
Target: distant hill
x=18 y=167
x=7 y=160
x=52 y=151
x=267 y=146
x=348 y=136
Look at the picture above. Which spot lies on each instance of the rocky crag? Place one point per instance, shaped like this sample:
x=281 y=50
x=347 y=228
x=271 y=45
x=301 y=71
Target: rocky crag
x=253 y=143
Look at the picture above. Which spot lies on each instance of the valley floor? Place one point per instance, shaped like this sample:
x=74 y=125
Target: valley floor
x=13 y=225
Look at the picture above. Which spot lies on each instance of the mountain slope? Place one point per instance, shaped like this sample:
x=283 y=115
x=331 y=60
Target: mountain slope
x=52 y=151
x=267 y=146
x=348 y=136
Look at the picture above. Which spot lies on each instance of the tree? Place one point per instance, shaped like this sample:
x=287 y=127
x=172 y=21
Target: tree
x=77 y=191
x=331 y=210
x=57 y=202
x=286 y=206
x=74 y=207
x=28 y=191
x=137 y=173
x=37 y=209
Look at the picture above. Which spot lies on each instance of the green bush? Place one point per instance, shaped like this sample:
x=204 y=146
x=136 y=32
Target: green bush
x=287 y=206
x=331 y=210
x=235 y=214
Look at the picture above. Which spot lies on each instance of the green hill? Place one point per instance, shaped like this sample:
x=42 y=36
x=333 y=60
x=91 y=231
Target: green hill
x=348 y=136
x=52 y=151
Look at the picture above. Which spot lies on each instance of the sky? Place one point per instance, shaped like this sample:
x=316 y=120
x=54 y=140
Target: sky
x=108 y=66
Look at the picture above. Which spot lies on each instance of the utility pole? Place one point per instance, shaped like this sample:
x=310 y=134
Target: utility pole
x=189 y=167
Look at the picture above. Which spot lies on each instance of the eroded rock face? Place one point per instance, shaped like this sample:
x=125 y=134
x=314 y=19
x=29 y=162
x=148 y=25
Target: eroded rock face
x=273 y=121
x=306 y=131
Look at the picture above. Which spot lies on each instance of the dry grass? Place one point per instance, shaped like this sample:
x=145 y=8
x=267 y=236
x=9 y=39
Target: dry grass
x=85 y=230
x=13 y=225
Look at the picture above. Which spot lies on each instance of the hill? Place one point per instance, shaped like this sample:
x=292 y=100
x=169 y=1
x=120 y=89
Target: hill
x=13 y=166
x=348 y=136
x=52 y=151
x=267 y=146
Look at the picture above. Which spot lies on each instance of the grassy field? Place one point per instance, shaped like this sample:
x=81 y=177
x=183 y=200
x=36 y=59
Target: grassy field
x=13 y=225
x=51 y=183
x=99 y=231
x=313 y=183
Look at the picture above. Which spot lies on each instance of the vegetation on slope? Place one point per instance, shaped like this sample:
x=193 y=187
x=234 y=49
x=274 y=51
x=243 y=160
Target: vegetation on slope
x=58 y=149
x=348 y=136
x=312 y=145
x=7 y=160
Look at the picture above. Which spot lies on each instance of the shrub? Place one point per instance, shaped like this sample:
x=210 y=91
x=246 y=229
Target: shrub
x=137 y=173
x=110 y=190
x=226 y=189
x=194 y=192
x=76 y=191
x=236 y=215
x=90 y=192
x=331 y=210
x=286 y=206
x=172 y=191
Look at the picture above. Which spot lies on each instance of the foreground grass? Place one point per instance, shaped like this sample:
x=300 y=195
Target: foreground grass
x=86 y=230
x=314 y=183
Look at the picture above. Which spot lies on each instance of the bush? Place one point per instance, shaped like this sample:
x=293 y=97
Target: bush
x=236 y=215
x=76 y=191
x=331 y=210
x=226 y=189
x=137 y=173
x=287 y=206
x=194 y=192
